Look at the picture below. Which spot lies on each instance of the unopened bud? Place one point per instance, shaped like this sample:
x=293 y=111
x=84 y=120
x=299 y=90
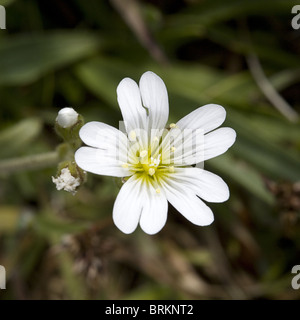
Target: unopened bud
x=67 y=125
x=67 y=117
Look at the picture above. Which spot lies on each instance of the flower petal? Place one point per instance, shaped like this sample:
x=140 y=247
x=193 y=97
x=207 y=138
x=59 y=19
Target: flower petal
x=155 y=211
x=99 y=161
x=208 y=117
x=129 y=99
x=204 y=184
x=183 y=147
x=155 y=99
x=128 y=205
x=194 y=147
x=189 y=205
x=218 y=142
x=102 y=136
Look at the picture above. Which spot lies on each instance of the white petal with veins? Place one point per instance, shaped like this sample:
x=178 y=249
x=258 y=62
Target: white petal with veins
x=208 y=117
x=155 y=99
x=189 y=205
x=128 y=205
x=129 y=99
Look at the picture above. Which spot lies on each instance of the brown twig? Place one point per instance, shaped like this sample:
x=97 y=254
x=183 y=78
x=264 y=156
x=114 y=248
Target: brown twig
x=131 y=13
x=268 y=90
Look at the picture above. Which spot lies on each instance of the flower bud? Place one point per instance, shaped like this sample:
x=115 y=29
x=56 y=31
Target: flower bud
x=67 y=117
x=67 y=125
x=69 y=177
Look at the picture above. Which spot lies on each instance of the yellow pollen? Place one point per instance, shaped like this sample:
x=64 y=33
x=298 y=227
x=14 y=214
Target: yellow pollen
x=151 y=171
x=173 y=149
x=171 y=169
x=172 y=125
x=132 y=135
x=125 y=165
x=157 y=190
x=143 y=153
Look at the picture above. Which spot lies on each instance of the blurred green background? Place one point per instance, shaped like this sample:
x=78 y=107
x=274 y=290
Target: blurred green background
x=243 y=55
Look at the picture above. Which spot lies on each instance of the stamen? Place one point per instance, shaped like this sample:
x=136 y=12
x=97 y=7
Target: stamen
x=151 y=171
x=173 y=149
x=171 y=169
x=157 y=190
x=132 y=135
x=125 y=165
x=156 y=162
x=173 y=125
x=151 y=164
x=143 y=153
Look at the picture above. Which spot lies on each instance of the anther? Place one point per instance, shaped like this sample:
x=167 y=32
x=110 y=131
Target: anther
x=143 y=153
x=132 y=135
x=173 y=149
x=125 y=165
x=151 y=171
x=173 y=125
x=157 y=190
x=171 y=169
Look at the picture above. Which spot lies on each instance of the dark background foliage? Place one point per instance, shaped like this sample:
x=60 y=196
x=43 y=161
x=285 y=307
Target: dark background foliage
x=55 y=54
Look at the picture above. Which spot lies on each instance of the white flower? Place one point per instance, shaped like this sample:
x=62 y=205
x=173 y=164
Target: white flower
x=156 y=166
x=67 y=117
x=66 y=181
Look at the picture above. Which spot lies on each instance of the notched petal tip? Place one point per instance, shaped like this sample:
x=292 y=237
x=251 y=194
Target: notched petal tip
x=129 y=99
x=155 y=98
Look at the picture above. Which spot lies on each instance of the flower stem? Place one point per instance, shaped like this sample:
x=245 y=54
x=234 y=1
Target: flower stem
x=32 y=162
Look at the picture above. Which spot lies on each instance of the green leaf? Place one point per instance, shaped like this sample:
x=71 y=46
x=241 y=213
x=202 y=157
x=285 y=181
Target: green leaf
x=209 y=13
x=15 y=139
x=102 y=76
x=243 y=174
x=54 y=227
x=270 y=158
x=271 y=53
x=24 y=58
x=6 y=3
x=272 y=129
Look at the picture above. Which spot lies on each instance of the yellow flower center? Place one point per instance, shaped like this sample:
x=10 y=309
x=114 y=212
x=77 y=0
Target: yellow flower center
x=147 y=163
